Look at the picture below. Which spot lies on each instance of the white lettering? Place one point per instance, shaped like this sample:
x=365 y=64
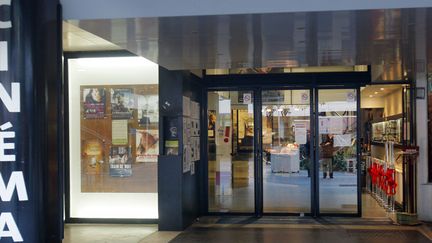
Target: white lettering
x=16 y=181
x=4 y=63
x=5 y=24
x=6 y=146
x=6 y=219
x=12 y=103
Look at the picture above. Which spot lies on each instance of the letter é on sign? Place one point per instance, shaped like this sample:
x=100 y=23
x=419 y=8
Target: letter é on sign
x=16 y=181
x=13 y=101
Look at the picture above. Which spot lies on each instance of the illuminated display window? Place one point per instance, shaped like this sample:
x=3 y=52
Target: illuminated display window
x=113 y=137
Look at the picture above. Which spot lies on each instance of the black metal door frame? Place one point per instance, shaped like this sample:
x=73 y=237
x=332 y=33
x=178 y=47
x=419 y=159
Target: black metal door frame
x=307 y=81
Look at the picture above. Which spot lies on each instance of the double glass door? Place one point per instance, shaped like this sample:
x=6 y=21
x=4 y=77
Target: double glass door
x=290 y=151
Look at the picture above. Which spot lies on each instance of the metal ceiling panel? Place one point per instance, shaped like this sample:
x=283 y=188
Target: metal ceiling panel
x=381 y=38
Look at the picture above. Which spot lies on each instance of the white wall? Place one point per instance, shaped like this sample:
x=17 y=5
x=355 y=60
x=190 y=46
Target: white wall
x=105 y=71
x=424 y=189
x=111 y=9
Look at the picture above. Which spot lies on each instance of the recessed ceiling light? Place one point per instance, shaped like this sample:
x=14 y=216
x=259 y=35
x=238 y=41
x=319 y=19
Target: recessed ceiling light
x=381 y=89
x=370 y=96
x=376 y=92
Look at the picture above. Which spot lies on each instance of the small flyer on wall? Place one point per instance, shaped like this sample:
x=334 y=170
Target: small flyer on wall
x=187 y=130
x=195 y=148
x=186 y=106
x=120 y=161
x=148 y=109
x=192 y=169
x=122 y=103
x=171 y=147
x=93 y=103
x=194 y=109
x=195 y=127
x=147 y=145
x=186 y=158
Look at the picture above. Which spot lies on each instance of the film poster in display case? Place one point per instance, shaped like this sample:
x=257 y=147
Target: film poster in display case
x=120 y=161
x=147 y=145
x=148 y=109
x=122 y=103
x=93 y=102
x=92 y=157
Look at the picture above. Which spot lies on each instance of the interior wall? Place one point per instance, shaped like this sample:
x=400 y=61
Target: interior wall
x=376 y=102
x=393 y=103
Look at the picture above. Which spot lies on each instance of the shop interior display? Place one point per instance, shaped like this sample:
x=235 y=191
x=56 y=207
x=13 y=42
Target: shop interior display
x=390 y=130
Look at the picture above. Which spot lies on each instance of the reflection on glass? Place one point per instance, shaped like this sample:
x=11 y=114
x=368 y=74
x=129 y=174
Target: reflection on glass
x=230 y=151
x=337 y=127
x=286 y=147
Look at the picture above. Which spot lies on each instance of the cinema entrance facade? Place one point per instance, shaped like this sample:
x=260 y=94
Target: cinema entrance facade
x=242 y=133
x=265 y=141
x=169 y=119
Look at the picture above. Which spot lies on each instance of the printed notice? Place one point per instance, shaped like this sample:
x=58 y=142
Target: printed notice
x=119 y=132
x=324 y=125
x=300 y=135
x=342 y=140
x=336 y=125
x=186 y=106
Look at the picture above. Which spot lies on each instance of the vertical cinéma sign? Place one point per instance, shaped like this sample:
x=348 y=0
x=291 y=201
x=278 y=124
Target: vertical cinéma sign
x=16 y=210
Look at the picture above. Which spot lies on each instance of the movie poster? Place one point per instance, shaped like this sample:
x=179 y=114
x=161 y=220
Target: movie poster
x=122 y=103
x=92 y=157
x=120 y=161
x=148 y=109
x=147 y=145
x=93 y=103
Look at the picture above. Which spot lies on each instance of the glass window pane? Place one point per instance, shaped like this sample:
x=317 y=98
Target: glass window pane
x=114 y=124
x=231 y=151
x=286 y=151
x=337 y=125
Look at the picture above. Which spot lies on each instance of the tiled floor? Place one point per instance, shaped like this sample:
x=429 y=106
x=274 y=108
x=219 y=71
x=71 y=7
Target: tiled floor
x=312 y=235
x=96 y=233
x=375 y=226
x=250 y=229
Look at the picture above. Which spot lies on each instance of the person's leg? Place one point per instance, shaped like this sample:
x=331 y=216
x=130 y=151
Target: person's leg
x=325 y=167
x=331 y=168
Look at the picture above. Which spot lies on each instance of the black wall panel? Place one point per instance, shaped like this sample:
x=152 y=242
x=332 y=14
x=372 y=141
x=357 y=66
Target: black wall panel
x=178 y=191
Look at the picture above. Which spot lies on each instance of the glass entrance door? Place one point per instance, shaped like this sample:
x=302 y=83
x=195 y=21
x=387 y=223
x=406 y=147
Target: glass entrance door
x=231 y=173
x=338 y=151
x=290 y=151
x=286 y=150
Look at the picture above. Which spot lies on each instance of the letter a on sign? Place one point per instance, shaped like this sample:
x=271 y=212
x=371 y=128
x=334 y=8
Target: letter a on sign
x=7 y=220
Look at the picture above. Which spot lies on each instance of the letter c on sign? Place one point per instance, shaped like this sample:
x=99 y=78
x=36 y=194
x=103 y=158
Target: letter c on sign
x=5 y=24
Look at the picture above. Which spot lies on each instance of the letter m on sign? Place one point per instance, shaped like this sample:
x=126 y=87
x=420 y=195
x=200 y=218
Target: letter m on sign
x=16 y=181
